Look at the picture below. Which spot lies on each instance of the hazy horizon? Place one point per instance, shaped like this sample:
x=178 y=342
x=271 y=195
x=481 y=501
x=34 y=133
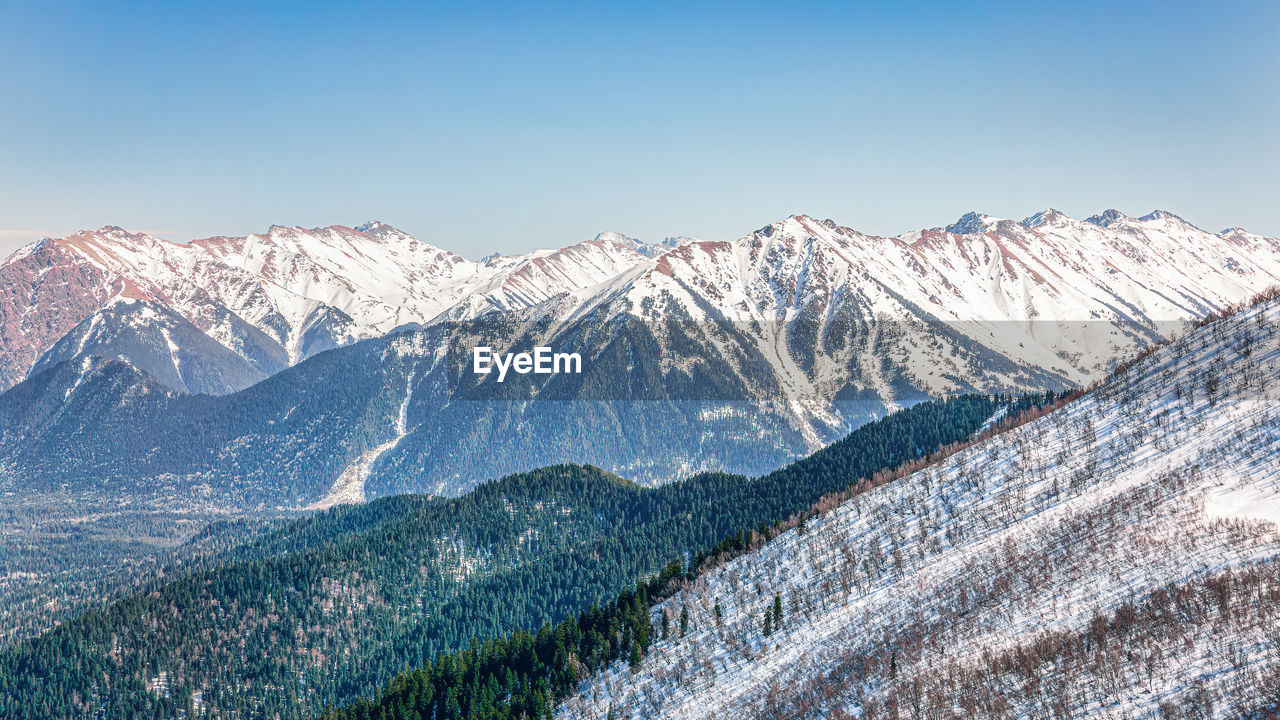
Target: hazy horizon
x=513 y=127
x=476 y=251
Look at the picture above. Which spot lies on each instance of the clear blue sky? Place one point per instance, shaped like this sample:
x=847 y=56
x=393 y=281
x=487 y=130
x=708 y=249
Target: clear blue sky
x=509 y=126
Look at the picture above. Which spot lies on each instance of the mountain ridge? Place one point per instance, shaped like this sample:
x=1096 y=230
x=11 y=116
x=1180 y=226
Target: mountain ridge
x=342 y=283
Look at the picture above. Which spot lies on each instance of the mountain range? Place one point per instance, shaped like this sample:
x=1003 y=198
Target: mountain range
x=276 y=298
x=269 y=300
x=942 y=547
x=334 y=359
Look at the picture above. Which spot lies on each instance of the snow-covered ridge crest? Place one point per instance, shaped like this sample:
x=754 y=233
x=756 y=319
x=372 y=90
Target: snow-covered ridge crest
x=295 y=289
x=277 y=297
x=1061 y=295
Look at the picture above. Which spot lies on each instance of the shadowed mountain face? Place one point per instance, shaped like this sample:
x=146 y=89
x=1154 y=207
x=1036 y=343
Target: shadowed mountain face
x=170 y=349
x=407 y=414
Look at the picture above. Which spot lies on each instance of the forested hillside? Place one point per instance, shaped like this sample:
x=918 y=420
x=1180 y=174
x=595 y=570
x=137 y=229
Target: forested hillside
x=56 y=566
x=327 y=609
x=525 y=674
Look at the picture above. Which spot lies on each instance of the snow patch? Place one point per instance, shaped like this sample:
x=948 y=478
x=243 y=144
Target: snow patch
x=1245 y=501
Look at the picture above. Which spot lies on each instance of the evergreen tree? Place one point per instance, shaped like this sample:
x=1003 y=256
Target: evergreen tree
x=635 y=657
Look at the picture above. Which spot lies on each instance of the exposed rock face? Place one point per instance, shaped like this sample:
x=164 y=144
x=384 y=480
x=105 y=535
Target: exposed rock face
x=45 y=291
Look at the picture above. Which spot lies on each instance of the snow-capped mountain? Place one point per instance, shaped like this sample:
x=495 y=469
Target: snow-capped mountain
x=826 y=324
x=1117 y=557
x=166 y=345
x=278 y=297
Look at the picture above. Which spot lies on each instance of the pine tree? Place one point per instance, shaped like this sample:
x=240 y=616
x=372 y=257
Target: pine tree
x=768 y=623
x=777 y=611
x=684 y=620
x=635 y=656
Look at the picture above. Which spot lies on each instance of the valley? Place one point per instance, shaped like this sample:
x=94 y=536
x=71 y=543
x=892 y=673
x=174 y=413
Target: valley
x=364 y=590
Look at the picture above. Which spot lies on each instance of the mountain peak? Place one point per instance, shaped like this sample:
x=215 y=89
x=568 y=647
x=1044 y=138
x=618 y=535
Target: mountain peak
x=382 y=231
x=1106 y=218
x=1048 y=216
x=1169 y=218
x=106 y=241
x=799 y=224
x=970 y=223
x=378 y=229
x=609 y=237
x=113 y=232
x=1160 y=215
x=282 y=230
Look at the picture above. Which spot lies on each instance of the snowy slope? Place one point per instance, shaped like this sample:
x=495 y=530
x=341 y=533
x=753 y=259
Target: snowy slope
x=1118 y=557
x=1051 y=281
